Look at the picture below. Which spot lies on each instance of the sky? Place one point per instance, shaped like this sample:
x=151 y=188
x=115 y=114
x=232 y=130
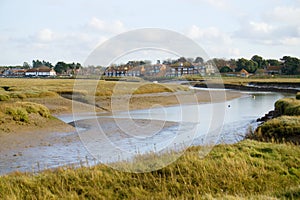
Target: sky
x=70 y=30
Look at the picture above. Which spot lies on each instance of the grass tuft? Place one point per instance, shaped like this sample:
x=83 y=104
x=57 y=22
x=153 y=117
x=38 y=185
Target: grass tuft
x=20 y=111
x=288 y=106
x=4 y=97
x=284 y=128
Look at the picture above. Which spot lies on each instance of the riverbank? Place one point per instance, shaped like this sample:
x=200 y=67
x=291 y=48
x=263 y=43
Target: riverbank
x=21 y=140
x=292 y=88
x=281 y=124
x=246 y=170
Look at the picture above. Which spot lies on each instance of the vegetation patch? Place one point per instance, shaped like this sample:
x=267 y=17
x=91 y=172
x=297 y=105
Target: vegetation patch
x=287 y=106
x=284 y=128
x=286 y=125
x=152 y=88
x=21 y=111
x=247 y=170
x=4 y=97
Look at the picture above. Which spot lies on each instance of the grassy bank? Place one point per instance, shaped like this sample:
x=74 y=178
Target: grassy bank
x=45 y=88
x=14 y=115
x=248 y=169
x=280 y=129
x=286 y=124
x=45 y=91
x=288 y=106
x=245 y=81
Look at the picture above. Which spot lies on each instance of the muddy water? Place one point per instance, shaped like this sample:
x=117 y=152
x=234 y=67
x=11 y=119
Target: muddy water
x=67 y=148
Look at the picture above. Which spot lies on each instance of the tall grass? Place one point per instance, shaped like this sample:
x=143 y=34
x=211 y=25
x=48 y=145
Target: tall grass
x=20 y=111
x=284 y=128
x=249 y=169
x=47 y=88
x=288 y=106
x=286 y=125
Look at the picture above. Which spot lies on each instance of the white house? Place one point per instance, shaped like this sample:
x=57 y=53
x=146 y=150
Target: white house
x=40 y=71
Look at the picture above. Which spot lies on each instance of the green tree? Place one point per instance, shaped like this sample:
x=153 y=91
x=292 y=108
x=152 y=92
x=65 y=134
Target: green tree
x=61 y=67
x=259 y=60
x=219 y=62
x=291 y=65
x=199 y=60
x=225 y=69
x=248 y=65
x=273 y=62
x=48 y=64
x=36 y=63
x=26 y=65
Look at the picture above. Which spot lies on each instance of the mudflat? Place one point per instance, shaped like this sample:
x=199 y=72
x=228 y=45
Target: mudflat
x=50 y=132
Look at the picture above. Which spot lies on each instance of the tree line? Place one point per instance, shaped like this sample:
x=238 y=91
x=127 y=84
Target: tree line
x=60 y=67
x=289 y=65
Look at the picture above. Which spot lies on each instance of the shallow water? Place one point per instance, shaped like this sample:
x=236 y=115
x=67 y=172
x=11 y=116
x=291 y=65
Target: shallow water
x=239 y=115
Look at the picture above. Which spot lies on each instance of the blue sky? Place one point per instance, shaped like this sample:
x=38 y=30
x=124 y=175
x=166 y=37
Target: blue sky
x=65 y=30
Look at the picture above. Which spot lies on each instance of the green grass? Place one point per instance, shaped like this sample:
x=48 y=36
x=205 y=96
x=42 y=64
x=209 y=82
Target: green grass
x=286 y=125
x=20 y=111
x=16 y=89
x=288 y=106
x=268 y=79
x=298 y=96
x=249 y=169
x=284 y=128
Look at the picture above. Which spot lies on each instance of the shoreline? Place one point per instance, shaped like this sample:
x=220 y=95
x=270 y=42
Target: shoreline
x=254 y=86
x=16 y=146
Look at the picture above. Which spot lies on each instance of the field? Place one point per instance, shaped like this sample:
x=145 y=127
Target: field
x=247 y=170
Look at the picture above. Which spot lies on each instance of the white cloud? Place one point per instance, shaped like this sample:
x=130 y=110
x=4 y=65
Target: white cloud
x=45 y=35
x=112 y=27
x=284 y=14
x=278 y=25
x=255 y=31
x=215 y=42
x=291 y=41
x=260 y=27
x=222 y=51
x=208 y=35
x=269 y=33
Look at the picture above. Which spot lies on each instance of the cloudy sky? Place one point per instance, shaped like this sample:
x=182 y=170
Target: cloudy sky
x=68 y=30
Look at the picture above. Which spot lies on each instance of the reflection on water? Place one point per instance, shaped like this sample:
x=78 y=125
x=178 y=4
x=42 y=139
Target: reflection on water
x=240 y=115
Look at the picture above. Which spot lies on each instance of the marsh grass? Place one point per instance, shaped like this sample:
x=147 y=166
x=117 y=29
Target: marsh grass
x=286 y=125
x=14 y=89
x=284 y=128
x=288 y=106
x=20 y=111
x=247 y=170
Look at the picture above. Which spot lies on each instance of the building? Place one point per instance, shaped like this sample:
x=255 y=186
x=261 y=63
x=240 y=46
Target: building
x=271 y=70
x=42 y=71
x=244 y=73
x=14 y=72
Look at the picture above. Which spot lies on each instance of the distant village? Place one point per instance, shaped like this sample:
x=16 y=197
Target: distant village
x=166 y=68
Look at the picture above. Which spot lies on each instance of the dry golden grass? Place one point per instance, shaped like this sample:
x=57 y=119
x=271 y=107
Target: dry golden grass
x=245 y=81
x=247 y=170
x=45 y=88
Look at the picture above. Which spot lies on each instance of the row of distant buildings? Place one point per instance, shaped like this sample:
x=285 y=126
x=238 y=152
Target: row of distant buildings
x=181 y=69
x=157 y=70
x=160 y=70
x=42 y=71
